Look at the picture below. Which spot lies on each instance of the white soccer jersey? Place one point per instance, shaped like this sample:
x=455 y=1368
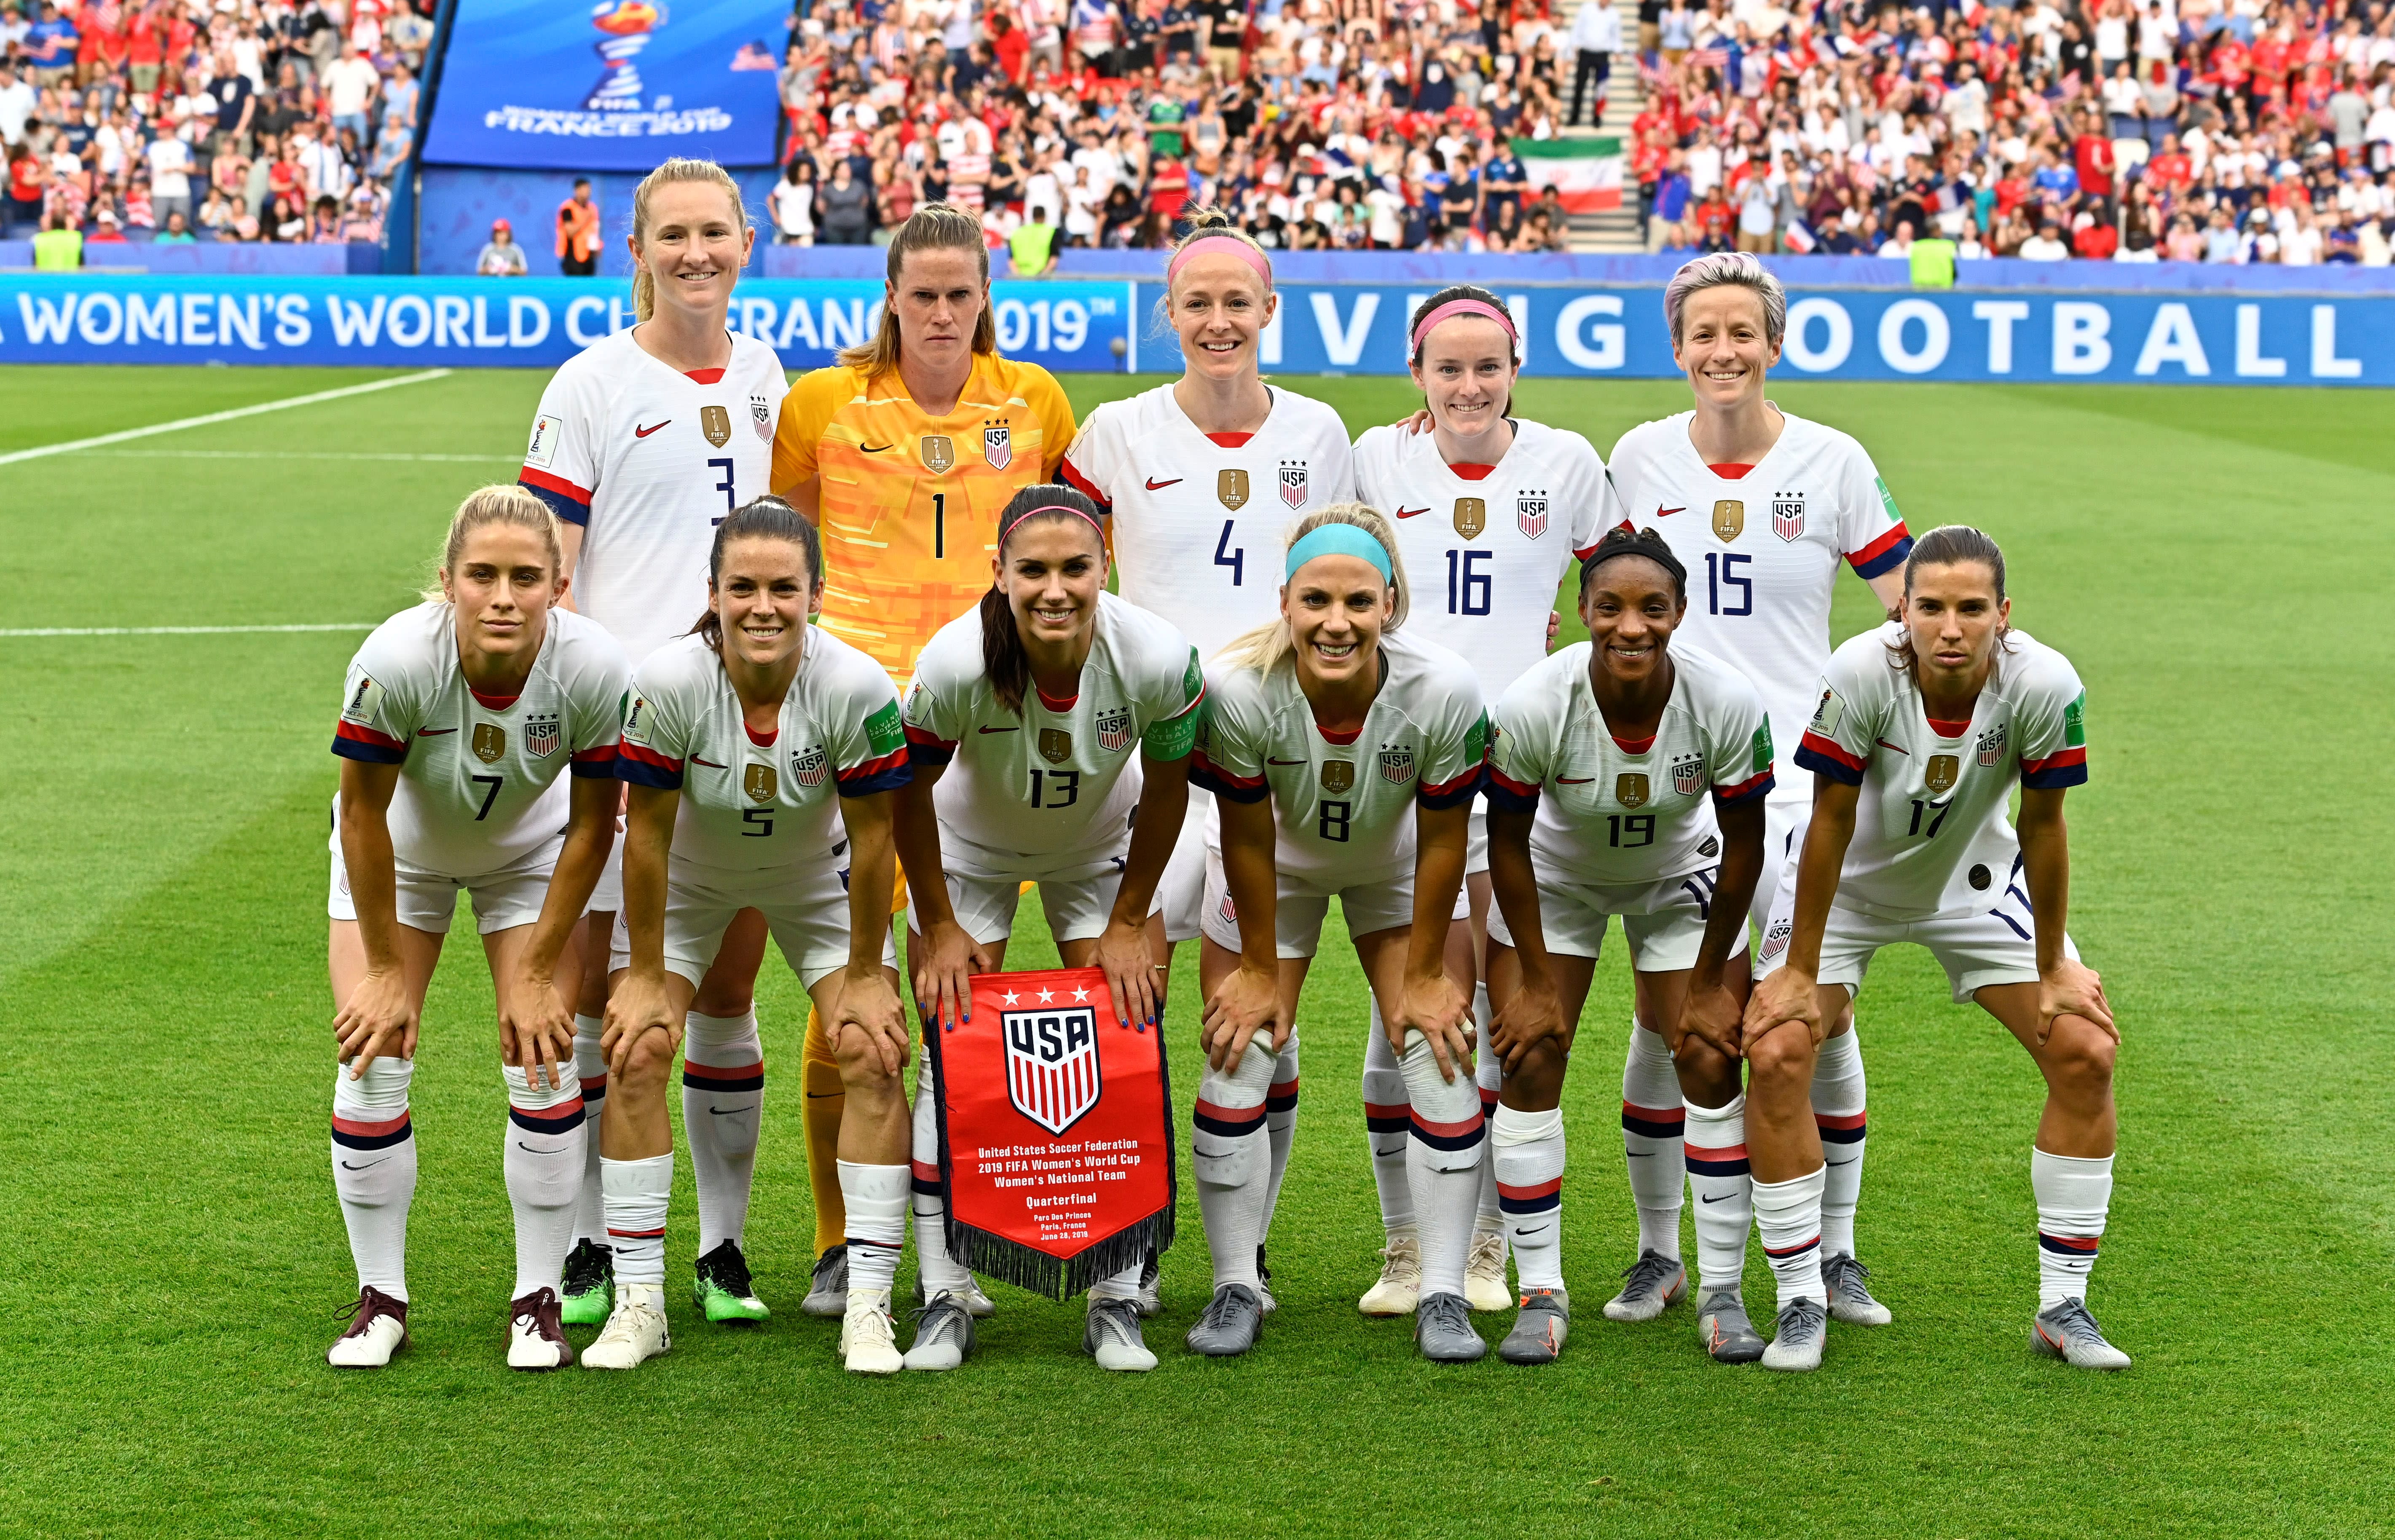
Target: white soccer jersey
x=1484 y=545
x=1061 y=778
x=1200 y=521
x=1763 y=547
x=1931 y=836
x=751 y=802
x=478 y=781
x=1613 y=811
x=1345 y=805
x=649 y=460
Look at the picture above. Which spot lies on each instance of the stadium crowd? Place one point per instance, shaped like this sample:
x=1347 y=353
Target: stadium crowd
x=201 y=120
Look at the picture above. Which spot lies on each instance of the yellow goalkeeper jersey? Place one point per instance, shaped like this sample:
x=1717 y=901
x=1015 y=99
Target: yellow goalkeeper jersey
x=910 y=500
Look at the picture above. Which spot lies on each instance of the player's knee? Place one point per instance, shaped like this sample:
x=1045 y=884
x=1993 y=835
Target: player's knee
x=2079 y=1058
x=1781 y=1058
x=863 y=1072
x=1539 y=1078
x=1703 y=1067
x=650 y=1063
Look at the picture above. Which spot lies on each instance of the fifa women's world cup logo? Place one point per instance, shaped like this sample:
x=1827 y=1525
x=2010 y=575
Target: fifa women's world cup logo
x=629 y=24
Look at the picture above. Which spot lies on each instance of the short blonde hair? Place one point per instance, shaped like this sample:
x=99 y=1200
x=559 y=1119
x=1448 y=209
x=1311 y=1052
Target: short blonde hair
x=1268 y=646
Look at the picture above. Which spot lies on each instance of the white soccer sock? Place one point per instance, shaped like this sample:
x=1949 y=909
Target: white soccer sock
x=636 y=1194
x=2074 y=1193
x=722 y=1102
x=1652 y=1123
x=1232 y=1161
x=1386 y=1119
x=374 y=1169
x=1119 y=1286
x=1528 y=1155
x=546 y=1131
x=1725 y=1188
x=589 y=1216
x=1443 y=1157
x=1487 y=1074
x=1838 y=1112
x=1280 y=1127
x=933 y=1266
x=1788 y=1215
x=876 y=1196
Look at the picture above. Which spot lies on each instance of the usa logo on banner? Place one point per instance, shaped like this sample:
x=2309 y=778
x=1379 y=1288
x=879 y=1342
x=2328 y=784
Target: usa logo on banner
x=1051 y=1064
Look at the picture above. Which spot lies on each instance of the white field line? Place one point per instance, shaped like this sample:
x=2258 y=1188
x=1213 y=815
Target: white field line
x=284 y=454
x=73 y=445
x=179 y=630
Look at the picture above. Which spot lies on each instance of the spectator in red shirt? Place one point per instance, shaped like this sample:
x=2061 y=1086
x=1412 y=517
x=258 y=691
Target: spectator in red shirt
x=2092 y=157
x=2170 y=171
x=1168 y=182
x=2092 y=235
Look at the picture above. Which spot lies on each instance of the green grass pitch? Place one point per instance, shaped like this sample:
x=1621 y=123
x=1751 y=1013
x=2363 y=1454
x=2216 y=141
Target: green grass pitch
x=2215 y=561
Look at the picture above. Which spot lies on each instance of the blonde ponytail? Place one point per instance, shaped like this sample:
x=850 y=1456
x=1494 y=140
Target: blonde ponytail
x=679 y=169
x=1268 y=646
x=501 y=504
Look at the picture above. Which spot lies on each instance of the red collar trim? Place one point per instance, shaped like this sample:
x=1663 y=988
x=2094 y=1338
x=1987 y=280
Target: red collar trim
x=1729 y=471
x=1949 y=730
x=706 y=376
x=1632 y=746
x=1341 y=739
x=495 y=702
x=1052 y=702
x=1231 y=440
x=762 y=740
x=1471 y=470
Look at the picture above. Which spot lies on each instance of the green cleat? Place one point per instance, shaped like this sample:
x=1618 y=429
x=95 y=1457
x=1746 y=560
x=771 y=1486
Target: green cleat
x=721 y=1289
x=589 y=1291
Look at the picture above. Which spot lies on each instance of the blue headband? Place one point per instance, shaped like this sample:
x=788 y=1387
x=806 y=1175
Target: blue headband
x=1340 y=540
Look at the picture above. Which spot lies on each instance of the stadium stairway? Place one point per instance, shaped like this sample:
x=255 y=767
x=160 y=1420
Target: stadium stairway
x=1613 y=230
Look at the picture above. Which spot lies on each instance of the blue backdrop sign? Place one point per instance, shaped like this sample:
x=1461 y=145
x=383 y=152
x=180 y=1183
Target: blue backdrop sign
x=525 y=323
x=619 y=86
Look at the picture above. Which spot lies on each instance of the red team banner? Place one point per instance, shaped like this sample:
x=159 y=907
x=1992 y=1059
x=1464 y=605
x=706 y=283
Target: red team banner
x=1055 y=1132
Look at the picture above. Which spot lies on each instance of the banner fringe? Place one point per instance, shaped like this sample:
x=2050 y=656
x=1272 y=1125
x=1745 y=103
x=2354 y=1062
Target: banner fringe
x=1007 y=1261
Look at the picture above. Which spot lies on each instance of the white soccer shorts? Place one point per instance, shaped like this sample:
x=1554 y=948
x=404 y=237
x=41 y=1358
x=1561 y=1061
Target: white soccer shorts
x=427 y=900
x=1996 y=947
x=1300 y=907
x=1476 y=851
x=1785 y=814
x=1665 y=921
x=608 y=895
x=806 y=906
x=1182 y=891
x=1077 y=906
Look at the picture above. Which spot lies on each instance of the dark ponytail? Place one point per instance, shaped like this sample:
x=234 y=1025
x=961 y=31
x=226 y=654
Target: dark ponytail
x=1621 y=540
x=1947 y=545
x=763 y=518
x=1002 y=658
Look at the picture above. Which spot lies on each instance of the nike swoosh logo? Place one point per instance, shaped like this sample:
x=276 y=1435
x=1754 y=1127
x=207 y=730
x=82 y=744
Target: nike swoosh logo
x=1718 y=1198
x=1001 y=730
x=824 y=1096
x=727 y=1111
x=367 y=1167
x=1155 y=485
x=1408 y=513
x=1842 y=1163
x=1666 y=513
x=1285 y=762
x=640 y=432
x=433 y=732
x=1642 y=1154
x=1574 y=780
x=876 y=449
x=530 y=1151
x=708 y=763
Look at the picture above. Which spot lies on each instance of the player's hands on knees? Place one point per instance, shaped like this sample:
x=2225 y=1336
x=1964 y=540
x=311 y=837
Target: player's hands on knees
x=2073 y=989
x=944 y=974
x=536 y=1032
x=1713 y=1014
x=1244 y=1004
x=1133 y=978
x=1437 y=1007
x=638 y=1005
x=379 y=1019
x=1531 y=1015
x=1787 y=995
x=869 y=1006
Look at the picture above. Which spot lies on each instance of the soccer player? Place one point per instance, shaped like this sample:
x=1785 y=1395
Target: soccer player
x=1627 y=777
x=1761 y=505
x=1921 y=729
x=458 y=719
x=903 y=453
x=1198 y=480
x=1344 y=757
x=1021 y=721
x=1501 y=506
x=757 y=752
x=643 y=443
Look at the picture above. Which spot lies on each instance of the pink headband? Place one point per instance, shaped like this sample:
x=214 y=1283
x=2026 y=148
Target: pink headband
x=1465 y=306
x=1240 y=248
x=1059 y=507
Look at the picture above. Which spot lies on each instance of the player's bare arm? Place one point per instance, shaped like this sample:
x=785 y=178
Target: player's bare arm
x=1712 y=1008
x=2065 y=985
x=536 y=1021
x=1532 y=1012
x=1247 y=1000
x=1432 y=1003
x=950 y=956
x=1134 y=976
x=868 y=996
x=381 y=1016
x=639 y=1003
x=1790 y=995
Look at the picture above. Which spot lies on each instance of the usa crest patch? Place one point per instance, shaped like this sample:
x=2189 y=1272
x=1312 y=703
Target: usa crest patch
x=1530 y=514
x=540 y=736
x=760 y=418
x=1689 y=775
x=1051 y=1064
x=1293 y=482
x=998 y=445
x=1992 y=745
x=1397 y=763
x=1787 y=517
x=1114 y=729
x=808 y=765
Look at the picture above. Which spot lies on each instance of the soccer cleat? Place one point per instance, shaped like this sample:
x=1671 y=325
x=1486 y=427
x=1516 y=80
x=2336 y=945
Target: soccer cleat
x=1443 y=1330
x=589 y=1290
x=2068 y=1332
x=721 y=1289
x=1803 y=1331
x=944 y=1334
x=535 y=1334
x=1539 y=1331
x=1484 y=1271
x=1400 y=1284
x=1729 y=1336
x=1850 y=1296
x=635 y=1330
x=868 y=1340
x=969 y=1295
x=1656 y=1283
x=1151 y=1291
x=378 y=1329
x=1111 y=1335
x=827 y=1290
x=1263 y=1284
x=1230 y=1324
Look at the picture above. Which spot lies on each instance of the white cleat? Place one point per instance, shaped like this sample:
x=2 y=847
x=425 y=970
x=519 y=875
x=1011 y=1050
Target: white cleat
x=1804 y=1332
x=1111 y=1335
x=378 y=1329
x=635 y=1332
x=537 y=1331
x=869 y=1340
x=1850 y=1295
x=1399 y=1288
x=2068 y=1332
x=968 y=1293
x=1484 y=1272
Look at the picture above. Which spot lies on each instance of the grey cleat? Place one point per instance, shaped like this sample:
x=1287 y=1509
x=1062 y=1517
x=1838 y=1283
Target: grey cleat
x=827 y=1290
x=1655 y=1283
x=1729 y=1336
x=1111 y=1335
x=1539 y=1331
x=969 y=1294
x=944 y=1334
x=2069 y=1333
x=1850 y=1295
x=1443 y=1330
x=1230 y=1324
x=1803 y=1331
x=1151 y=1293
